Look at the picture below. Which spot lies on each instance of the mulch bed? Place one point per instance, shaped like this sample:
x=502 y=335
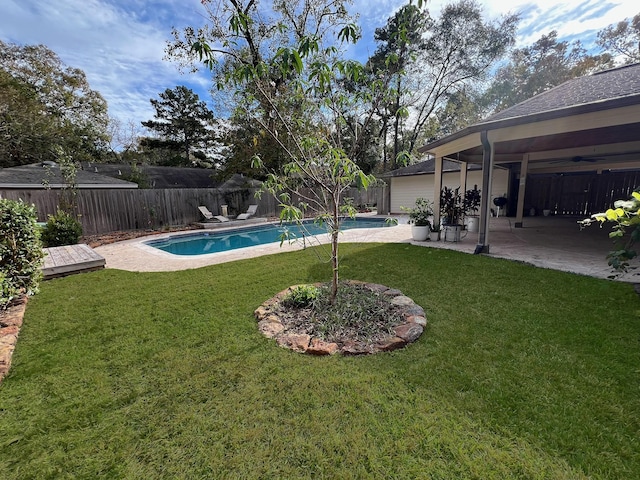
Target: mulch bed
x=112 y=237
x=293 y=328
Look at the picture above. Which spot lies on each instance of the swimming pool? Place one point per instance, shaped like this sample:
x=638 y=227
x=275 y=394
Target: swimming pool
x=213 y=242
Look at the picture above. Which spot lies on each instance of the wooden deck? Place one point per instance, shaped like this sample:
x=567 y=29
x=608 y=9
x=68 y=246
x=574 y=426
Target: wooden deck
x=70 y=259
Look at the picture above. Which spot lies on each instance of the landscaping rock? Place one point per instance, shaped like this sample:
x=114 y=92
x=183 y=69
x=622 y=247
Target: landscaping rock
x=292 y=334
x=10 y=323
x=356 y=348
x=270 y=329
x=402 y=301
x=319 y=347
x=391 y=343
x=409 y=332
x=414 y=310
x=294 y=341
x=392 y=292
x=420 y=320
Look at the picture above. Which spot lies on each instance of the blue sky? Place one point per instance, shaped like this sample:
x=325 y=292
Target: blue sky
x=120 y=44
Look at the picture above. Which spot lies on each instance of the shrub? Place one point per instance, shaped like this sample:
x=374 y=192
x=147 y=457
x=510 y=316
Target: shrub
x=20 y=251
x=61 y=229
x=301 y=296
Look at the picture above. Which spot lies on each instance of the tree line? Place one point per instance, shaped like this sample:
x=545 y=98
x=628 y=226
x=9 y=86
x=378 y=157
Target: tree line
x=428 y=77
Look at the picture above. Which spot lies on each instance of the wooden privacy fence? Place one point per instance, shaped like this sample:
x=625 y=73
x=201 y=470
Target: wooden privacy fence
x=579 y=194
x=103 y=211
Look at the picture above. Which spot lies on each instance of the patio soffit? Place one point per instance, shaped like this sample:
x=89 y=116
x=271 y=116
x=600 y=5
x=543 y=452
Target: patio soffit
x=607 y=139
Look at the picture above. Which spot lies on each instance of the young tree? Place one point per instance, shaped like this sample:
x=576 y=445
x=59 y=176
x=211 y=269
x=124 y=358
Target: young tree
x=622 y=40
x=77 y=113
x=182 y=123
x=295 y=92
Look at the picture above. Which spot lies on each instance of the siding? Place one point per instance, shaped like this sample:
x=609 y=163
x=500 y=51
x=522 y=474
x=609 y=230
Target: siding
x=405 y=190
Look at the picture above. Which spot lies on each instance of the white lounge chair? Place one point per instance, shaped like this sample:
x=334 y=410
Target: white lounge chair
x=251 y=211
x=210 y=216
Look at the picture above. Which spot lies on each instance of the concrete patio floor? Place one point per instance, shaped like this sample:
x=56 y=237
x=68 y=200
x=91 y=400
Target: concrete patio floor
x=547 y=242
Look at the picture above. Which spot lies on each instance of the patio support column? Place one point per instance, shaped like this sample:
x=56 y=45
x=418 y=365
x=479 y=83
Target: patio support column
x=487 y=170
x=463 y=178
x=524 y=167
x=437 y=187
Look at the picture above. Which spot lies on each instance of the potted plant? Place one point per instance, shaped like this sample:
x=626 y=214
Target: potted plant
x=452 y=211
x=419 y=218
x=434 y=234
x=471 y=204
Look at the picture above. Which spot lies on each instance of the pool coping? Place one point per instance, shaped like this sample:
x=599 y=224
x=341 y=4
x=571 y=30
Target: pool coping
x=134 y=255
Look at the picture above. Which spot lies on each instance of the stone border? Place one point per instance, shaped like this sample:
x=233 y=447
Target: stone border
x=405 y=333
x=10 y=323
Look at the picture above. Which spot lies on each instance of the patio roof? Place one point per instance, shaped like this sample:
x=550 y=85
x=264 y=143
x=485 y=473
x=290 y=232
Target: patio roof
x=585 y=124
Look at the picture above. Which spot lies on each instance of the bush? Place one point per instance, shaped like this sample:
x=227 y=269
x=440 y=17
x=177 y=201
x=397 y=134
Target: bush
x=61 y=229
x=20 y=251
x=301 y=296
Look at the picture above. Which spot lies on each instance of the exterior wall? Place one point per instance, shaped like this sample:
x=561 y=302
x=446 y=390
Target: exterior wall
x=405 y=190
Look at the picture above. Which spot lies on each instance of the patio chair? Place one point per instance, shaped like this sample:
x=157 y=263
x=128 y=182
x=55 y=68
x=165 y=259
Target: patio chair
x=251 y=211
x=210 y=216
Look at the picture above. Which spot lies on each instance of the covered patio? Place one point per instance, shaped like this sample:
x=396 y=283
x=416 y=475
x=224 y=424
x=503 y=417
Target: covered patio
x=554 y=242
x=572 y=150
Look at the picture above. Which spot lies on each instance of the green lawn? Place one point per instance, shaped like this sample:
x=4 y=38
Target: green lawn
x=521 y=373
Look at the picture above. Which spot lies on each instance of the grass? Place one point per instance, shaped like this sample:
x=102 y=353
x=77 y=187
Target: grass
x=521 y=373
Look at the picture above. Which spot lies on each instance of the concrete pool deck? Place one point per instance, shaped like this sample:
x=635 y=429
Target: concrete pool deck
x=547 y=242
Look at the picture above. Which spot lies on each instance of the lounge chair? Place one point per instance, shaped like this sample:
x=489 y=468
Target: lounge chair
x=210 y=216
x=251 y=211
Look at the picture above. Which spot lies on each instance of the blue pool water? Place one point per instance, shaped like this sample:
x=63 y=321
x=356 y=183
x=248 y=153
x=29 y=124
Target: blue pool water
x=212 y=242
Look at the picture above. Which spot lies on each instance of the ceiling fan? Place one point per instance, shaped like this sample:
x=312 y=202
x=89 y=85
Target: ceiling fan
x=579 y=159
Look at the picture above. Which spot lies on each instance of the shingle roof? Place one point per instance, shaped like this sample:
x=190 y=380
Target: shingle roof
x=601 y=91
x=426 y=167
x=160 y=177
x=606 y=85
x=37 y=174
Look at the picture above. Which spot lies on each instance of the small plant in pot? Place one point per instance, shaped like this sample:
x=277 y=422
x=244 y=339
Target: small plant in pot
x=419 y=218
x=471 y=204
x=452 y=211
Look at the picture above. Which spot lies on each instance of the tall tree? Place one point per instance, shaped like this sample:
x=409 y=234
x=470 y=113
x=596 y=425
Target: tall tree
x=260 y=29
x=622 y=40
x=431 y=61
x=400 y=41
x=76 y=113
x=182 y=124
x=460 y=50
x=25 y=132
x=534 y=69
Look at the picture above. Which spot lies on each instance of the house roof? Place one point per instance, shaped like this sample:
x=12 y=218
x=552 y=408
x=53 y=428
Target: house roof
x=47 y=174
x=157 y=176
x=239 y=181
x=426 y=167
x=591 y=123
x=618 y=83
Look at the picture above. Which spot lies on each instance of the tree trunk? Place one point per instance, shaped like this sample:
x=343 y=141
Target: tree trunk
x=335 y=231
